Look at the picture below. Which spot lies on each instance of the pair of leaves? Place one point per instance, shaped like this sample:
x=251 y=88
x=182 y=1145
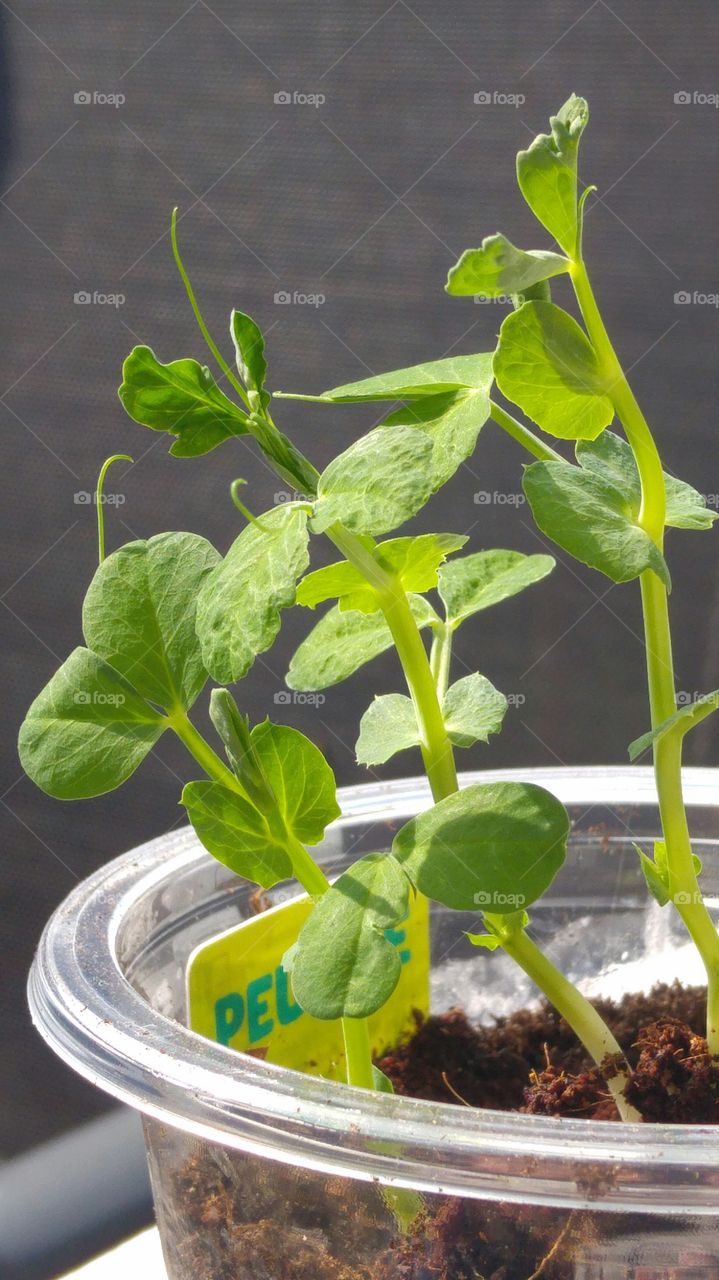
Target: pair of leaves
x=97 y=719
x=414 y=562
x=657 y=874
x=238 y=611
x=301 y=795
x=584 y=511
x=611 y=458
x=473 y=710
x=448 y=404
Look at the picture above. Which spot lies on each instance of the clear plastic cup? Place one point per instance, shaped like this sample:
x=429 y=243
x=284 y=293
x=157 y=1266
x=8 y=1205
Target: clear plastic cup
x=259 y=1171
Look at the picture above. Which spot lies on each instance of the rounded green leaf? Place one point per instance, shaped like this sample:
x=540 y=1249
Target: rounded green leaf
x=547 y=173
x=546 y=364
x=87 y=731
x=238 y=611
x=139 y=615
x=476 y=582
x=498 y=268
x=302 y=782
x=380 y=482
x=343 y=965
x=495 y=847
x=235 y=833
x=388 y=725
x=429 y=379
x=452 y=420
x=343 y=641
x=473 y=710
x=590 y=518
x=181 y=398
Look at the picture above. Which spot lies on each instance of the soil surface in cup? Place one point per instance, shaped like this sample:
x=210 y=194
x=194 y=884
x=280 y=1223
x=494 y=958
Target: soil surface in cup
x=235 y=1220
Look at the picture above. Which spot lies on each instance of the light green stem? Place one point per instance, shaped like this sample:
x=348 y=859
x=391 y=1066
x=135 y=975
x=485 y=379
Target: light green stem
x=440 y=659
x=437 y=752
x=523 y=435
x=99 y=504
x=358 y=1053
x=581 y=1016
x=313 y=880
x=684 y=886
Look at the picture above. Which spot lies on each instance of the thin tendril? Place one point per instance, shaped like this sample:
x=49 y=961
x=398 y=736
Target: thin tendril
x=580 y=216
x=241 y=506
x=116 y=457
x=231 y=377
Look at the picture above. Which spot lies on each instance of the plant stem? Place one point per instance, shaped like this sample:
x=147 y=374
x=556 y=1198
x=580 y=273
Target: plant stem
x=440 y=658
x=437 y=752
x=573 y=1007
x=202 y=752
x=313 y=880
x=358 y=1053
x=116 y=457
x=523 y=435
x=683 y=883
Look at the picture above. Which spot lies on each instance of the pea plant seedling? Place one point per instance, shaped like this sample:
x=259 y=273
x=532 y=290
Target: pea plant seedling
x=162 y=616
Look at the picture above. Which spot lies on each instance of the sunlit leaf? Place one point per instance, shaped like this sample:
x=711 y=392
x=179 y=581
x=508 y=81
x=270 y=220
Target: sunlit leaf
x=364 y=967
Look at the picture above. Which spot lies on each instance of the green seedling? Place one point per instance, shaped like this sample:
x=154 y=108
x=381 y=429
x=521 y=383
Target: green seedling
x=163 y=616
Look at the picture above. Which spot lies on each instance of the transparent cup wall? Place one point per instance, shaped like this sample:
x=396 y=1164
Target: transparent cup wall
x=264 y=1173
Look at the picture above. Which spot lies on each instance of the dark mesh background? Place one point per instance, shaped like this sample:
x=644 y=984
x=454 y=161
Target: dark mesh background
x=366 y=199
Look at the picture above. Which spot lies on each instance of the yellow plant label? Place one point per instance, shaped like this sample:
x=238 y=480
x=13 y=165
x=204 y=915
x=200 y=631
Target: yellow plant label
x=239 y=994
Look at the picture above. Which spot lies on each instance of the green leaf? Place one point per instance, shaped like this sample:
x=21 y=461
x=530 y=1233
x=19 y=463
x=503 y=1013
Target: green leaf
x=341 y=642
x=655 y=872
x=235 y=833
x=473 y=709
x=181 y=398
x=489 y=941
x=380 y=482
x=452 y=420
x=238 y=611
x=498 y=267
x=546 y=364
x=382 y=1084
x=344 y=966
x=428 y=379
x=87 y=731
x=494 y=846
x=301 y=780
x=687 y=717
x=611 y=458
x=414 y=561
x=139 y=615
x=547 y=173
x=485 y=578
x=249 y=351
x=388 y=725
x=588 y=517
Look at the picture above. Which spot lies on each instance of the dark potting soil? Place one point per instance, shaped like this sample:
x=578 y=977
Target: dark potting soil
x=248 y=1220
